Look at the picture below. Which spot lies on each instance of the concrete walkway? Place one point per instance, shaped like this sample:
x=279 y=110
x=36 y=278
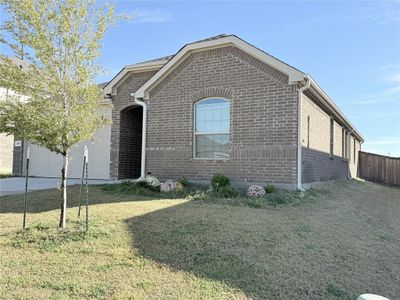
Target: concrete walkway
x=16 y=185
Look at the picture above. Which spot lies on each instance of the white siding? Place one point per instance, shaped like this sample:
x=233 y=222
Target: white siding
x=44 y=163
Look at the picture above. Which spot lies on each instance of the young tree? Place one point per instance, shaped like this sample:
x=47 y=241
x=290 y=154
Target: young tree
x=61 y=42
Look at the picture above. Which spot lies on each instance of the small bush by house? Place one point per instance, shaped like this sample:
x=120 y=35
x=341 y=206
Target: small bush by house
x=184 y=182
x=221 y=187
x=269 y=189
x=220 y=180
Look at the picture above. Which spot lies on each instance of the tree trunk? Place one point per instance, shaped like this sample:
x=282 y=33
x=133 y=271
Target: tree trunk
x=63 y=215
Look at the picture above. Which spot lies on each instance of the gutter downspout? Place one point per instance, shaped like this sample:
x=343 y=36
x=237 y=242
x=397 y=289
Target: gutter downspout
x=307 y=80
x=349 y=154
x=144 y=133
x=358 y=162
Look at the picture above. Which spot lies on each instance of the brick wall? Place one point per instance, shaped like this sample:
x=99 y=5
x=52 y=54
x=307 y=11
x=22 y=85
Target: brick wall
x=263 y=119
x=317 y=132
x=120 y=102
x=320 y=166
x=317 y=135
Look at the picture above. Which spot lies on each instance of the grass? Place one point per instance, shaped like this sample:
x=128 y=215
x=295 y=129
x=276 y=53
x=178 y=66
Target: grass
x=5 y=175
x=332 y=243
x=5 y=172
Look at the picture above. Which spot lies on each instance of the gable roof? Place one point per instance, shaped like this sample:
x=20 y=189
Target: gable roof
x=216 y=42
x=165 y=65
x=220 y=40
x=149 y=65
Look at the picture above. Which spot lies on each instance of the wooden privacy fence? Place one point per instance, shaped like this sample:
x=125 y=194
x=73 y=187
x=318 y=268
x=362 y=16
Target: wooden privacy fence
x=379 y=168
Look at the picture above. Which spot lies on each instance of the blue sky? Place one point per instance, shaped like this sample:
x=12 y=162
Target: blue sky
x=352 y=49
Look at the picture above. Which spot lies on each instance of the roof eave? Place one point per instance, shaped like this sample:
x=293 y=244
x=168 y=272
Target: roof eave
x=333 y=108
x=111 y=87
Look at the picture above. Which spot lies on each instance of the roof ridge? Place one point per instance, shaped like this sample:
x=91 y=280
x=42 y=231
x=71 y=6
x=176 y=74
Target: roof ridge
x=211 y=38
x=168 y=57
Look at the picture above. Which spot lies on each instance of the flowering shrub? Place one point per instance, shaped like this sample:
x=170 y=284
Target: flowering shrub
x=167 y=186
x=153 y=181
x=178 y=186
x=148 y=180
x=255 y=191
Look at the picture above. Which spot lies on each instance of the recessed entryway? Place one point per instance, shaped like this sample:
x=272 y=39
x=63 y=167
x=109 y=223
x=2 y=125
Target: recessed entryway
x=130 y=142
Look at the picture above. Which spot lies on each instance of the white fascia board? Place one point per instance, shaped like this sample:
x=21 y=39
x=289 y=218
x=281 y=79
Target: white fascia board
x=293 y=74
x=332 y=107
x=111 y=87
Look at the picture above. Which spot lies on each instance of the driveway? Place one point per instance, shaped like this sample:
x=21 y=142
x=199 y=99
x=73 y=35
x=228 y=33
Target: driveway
x=16 y=185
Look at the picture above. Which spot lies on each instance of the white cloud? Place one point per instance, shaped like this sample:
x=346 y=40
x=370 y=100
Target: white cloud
x=381 y=12
x=393 y=78
x=389 y=73
x=378 y=114
x=389 y=95
x=151 y=16
x=389 y=76
x=384 y=141
x=385 y=146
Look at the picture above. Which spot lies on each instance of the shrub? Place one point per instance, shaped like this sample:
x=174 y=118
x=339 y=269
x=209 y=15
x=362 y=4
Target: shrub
x=152 y=180
x=142 y=184
x=167 y=186
x=184 y=182
x=289 y=198
x=255 y=191
x=199 y=195
x=124 y=187
x=147 y=191
x=269 y=188
x=277 y=199
x=147 y=181
x=178 y=186
x=225 y=192
x=219 y=180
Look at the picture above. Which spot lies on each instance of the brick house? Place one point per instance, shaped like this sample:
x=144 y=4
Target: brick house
x=223 y=105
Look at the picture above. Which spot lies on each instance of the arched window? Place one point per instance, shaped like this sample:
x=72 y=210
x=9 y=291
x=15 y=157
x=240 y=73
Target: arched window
x=212 y=128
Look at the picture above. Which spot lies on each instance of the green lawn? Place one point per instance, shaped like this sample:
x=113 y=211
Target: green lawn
x=335 y=243
x=5 y=175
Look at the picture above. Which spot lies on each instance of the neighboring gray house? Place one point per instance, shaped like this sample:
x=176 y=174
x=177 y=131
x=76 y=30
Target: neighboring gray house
x=223 y=105
x=7 y=141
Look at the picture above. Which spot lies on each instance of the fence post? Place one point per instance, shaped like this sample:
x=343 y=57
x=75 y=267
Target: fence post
x=80 y=189
x=87 y=187
x=26 y=185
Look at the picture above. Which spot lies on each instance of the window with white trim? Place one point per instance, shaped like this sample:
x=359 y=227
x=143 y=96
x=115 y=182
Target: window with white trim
x=212 y=128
